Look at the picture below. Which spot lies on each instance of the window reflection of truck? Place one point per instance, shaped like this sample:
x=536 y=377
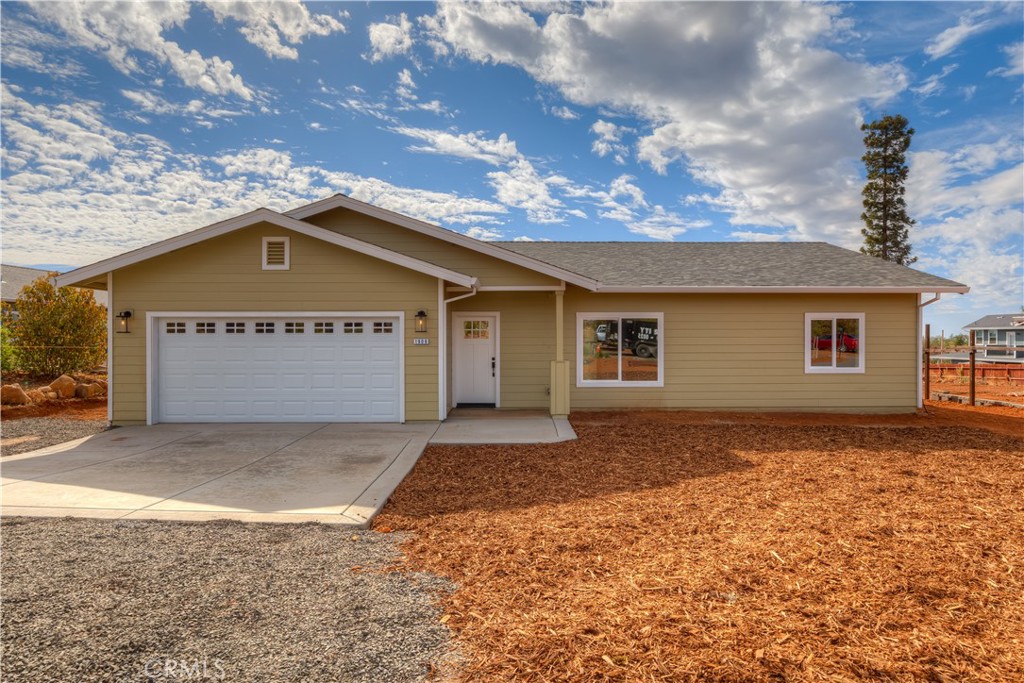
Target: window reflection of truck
x=638 y=336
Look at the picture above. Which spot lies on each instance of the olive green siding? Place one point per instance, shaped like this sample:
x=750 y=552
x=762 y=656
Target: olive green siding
x=490 y=271
x=746 y=352
x=527 y=339
x=225 y=274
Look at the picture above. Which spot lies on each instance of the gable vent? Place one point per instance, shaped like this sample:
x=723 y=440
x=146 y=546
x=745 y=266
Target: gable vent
x=276 y=253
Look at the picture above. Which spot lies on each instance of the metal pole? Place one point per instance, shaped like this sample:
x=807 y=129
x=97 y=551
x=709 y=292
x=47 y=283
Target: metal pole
x=973 y=351
x=927 y=362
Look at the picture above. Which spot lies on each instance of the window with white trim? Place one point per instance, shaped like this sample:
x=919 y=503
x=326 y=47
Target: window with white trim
x=383 y=327
x=234 y=327
x=619 y=349
x=323 y=328
x=833 y=342
x=294 y=328
x=353 y=328
x=175 y=328
x=276 y=253
x=264 y=328
x=206 y=328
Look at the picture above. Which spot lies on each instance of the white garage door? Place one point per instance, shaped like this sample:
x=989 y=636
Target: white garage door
x=278 y=369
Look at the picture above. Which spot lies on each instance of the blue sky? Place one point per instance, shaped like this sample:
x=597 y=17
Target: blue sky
x=128 y=123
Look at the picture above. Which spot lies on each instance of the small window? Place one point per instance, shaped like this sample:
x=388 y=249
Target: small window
x=175 y=328
x=294 y=328
x=834 y=342
x=353 y=328
x=234 y=328
x=276 y=253
x=264 y=328
x=323 y=328
x=993 y=337
x=476 y=329
x=206 y=328
x=619 y=350
x=979 y=337
x=383 y=327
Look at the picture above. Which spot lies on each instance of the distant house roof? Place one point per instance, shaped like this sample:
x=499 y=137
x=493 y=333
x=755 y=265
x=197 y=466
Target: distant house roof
x=15 y=278
x=997 y=322
x=742 y=266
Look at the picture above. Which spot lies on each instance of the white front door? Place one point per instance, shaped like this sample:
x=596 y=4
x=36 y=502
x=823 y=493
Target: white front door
x=475 y=358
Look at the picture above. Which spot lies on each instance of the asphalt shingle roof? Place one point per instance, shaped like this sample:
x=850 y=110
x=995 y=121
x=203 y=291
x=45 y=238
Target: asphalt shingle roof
x=998 y=320
x=725 y=264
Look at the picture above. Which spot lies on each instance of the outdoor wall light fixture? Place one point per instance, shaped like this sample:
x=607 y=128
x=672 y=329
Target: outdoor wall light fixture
x=421 y=321
x=124 y=316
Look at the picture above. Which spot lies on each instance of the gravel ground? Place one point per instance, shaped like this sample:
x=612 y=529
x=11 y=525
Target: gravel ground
x=49 y=431
x=103 y=600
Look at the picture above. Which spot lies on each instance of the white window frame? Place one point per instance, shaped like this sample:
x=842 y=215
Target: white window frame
x=287 y=253
x=612 y=315
x=833 y=369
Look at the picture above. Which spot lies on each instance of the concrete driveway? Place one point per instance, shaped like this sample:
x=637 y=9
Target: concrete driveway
x=334 y=473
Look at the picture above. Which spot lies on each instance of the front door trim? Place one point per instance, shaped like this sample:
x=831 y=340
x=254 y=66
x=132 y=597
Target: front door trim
x=457 y=319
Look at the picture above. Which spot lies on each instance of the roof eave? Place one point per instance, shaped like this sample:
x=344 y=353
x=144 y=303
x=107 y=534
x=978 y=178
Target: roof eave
x=948 y=289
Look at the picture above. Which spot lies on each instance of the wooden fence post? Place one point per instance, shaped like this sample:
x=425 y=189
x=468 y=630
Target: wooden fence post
x=971 y=364
x=927 y=362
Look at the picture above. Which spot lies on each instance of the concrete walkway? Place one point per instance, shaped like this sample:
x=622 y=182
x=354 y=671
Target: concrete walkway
x=329 y=473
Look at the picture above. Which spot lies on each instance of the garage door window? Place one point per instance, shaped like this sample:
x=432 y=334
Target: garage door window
x=206 y=328
x=323 y=328
x=353 y=328
x=264 y=328
x=294 y=328
x=234 y=328
x=383 y=327
x=175 y=328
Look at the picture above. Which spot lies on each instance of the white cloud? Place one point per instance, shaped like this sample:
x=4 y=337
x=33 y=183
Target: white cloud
x=27 y=47
x=609 y=140
x=522 y=187
x=933 y=84
x=66 y=170
x=121 y=31
x=564 y=113
x=391 y=38
x=463 y=145
x=267 y=24
x=743 y=96
x=1015 y=58
x=664 y=225
x=950 y=39
x=486 y=234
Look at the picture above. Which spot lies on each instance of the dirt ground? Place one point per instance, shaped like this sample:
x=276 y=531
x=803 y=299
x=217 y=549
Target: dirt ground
x=999 y=391
x=74 y=409
x=714 y=547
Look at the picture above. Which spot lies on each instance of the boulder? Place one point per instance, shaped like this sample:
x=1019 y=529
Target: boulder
x=13 y=395
x=64 y=386
x=102 y=383
x=35 y=395
x=48 y=393
x=88 y=390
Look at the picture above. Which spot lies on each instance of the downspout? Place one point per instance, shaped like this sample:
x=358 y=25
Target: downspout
x=920 y=349
x=442 y=398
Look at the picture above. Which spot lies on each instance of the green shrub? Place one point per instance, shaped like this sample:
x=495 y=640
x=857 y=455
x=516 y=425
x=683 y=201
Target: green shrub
x=8 y=354
x=57 y=330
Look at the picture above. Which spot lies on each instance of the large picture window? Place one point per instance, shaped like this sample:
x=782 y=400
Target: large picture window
x=619 y=349
x=834 y=342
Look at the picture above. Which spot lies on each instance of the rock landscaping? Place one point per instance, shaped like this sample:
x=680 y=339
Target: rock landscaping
x=64 y=387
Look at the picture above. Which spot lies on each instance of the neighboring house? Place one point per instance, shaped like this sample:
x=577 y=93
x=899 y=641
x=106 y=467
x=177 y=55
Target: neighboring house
x=1003 y=329
x=342 y=311
x=15 y=278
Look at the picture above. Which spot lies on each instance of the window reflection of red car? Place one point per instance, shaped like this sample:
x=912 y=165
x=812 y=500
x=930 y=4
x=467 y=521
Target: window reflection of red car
x=847 y=342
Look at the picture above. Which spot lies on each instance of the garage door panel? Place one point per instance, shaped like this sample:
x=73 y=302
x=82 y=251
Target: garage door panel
x=278 y=369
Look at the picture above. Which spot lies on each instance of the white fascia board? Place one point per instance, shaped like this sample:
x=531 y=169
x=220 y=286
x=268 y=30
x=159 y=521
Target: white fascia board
x=252 y=218
x=782 y=290
x=422 y=227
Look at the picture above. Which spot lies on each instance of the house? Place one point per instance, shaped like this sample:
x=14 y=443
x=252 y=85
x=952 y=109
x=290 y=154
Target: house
x=343 y=311
x=15 y=278
x=1003 y=329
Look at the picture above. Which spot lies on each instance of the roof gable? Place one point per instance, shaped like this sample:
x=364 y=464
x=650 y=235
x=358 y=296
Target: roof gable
x=86 y=273
x=998 y=321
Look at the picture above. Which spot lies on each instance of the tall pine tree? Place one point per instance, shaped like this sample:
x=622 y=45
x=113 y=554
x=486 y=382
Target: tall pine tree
x=886 y=231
